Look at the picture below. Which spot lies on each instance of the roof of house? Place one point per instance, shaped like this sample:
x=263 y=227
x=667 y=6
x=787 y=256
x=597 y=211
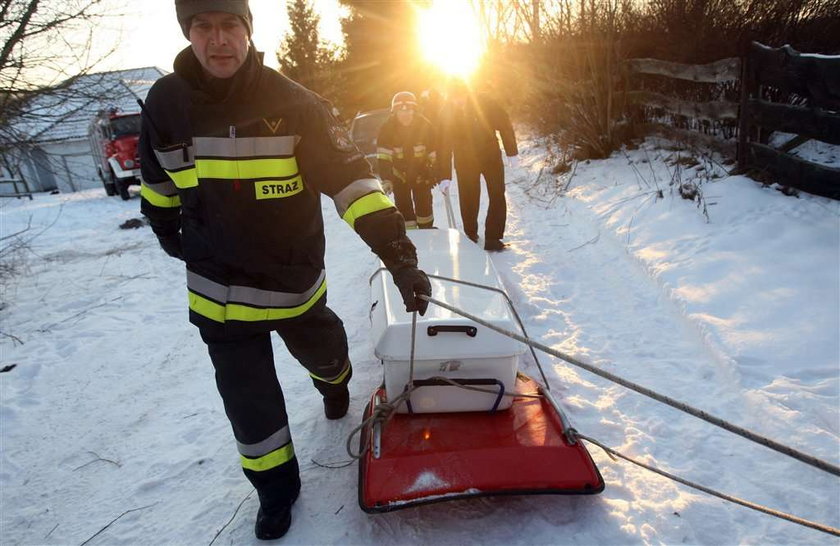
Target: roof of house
x=67 y=113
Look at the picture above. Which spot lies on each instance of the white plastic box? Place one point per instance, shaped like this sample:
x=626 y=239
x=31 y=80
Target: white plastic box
x=447 y=345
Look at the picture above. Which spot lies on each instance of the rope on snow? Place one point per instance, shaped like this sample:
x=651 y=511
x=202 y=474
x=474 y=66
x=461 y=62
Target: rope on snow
x=735 y=429
x=776 y=513
x=385 y=410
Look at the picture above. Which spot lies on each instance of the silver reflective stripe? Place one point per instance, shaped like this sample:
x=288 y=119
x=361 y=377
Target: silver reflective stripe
x=207 y=147
x=275 y=441
x=354 y=191
x=173 y=160
x=384 y=151
x=167 y=188
x=248 y=295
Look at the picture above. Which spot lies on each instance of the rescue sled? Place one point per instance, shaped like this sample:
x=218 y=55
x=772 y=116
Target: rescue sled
x=456 y=431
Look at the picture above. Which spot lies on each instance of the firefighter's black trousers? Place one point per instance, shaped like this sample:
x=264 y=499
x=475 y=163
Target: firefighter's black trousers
x=469 y=192
x=413 y=198
x=247 y=381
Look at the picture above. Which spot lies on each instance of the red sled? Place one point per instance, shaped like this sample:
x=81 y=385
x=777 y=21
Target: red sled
x=455 y=430
x=418 y=459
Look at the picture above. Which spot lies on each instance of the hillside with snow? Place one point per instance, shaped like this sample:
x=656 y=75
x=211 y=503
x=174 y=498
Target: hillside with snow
x=112 y=432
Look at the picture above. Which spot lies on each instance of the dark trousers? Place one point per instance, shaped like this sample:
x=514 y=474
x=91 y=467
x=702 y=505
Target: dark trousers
x=469 y=193
x=420 y=208
x=253 y=399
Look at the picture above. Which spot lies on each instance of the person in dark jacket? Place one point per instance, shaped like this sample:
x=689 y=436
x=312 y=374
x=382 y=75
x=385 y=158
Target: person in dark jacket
x=405 y=150
x=468 y=125
x=234 y=160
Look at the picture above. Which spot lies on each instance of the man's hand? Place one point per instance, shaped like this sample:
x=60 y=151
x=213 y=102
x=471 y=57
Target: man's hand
x=387 y=186
x=413 y=283
x=444 y=184
x=171 y=244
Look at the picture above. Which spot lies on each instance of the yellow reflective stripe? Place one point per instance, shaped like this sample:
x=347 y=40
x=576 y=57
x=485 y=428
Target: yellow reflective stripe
x=234 y=169
x=245 y=313
x=335 y=381
x=272 y=460
x=159 y=200
x=371 y=202
x=184 y=179
x=384 y=157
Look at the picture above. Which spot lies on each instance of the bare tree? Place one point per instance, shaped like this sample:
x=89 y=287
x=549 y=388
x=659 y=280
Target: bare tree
x=44 y=44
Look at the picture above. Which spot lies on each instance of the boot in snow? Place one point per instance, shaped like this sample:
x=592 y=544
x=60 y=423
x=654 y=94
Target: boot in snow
x=336 y=404
x=273 y=521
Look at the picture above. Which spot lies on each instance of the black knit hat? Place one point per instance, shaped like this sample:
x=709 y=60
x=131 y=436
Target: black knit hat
x=187 y=9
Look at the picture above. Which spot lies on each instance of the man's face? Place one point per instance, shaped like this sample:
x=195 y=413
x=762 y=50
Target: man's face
x=220 y=42
x=405 y=116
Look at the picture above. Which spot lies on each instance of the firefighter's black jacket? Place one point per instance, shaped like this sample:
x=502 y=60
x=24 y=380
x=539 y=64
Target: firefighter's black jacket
x=237 y=167
x=406 y=153
x=469 y=132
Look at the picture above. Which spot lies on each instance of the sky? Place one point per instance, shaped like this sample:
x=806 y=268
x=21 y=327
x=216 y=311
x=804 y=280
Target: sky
x=148 y=34
x=111 y=430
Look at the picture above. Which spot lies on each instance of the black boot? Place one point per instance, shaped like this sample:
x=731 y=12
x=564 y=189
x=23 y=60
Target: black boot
x=274 y=519
x=337 y=403
x=273 y=525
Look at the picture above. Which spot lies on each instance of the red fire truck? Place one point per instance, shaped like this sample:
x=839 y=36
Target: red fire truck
x=113 y=143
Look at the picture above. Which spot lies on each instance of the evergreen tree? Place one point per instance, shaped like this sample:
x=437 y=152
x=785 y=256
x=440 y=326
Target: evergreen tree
x=302 y=55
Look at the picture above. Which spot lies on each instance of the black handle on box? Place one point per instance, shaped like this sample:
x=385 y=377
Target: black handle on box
x=469 y=330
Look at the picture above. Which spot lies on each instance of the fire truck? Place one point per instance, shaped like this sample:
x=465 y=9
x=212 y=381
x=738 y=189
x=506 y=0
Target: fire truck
x=113 y=142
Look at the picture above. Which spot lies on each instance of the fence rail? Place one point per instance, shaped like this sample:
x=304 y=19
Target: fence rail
x=781 y=90
x=814 y=82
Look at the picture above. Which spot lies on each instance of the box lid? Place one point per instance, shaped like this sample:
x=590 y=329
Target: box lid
x=440 y=333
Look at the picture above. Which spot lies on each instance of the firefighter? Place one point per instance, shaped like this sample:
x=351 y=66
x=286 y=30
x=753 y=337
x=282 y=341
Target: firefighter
x=405 y=149
x=468 y=125
x=235 y=158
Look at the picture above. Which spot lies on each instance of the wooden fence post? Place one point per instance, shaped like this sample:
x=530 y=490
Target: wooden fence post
x=747 y=82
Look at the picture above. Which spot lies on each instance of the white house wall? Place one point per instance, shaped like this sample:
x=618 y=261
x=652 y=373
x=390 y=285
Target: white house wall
x=72 y=165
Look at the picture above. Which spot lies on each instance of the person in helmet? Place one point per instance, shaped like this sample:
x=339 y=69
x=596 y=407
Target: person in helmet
x=235 y=159
x=405 y=149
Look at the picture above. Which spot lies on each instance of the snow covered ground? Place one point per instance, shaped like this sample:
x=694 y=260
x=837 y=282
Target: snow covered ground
x=111 y=430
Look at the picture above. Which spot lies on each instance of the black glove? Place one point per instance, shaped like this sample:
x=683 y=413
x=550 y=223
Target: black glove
x=412 y=282
x=171 y=244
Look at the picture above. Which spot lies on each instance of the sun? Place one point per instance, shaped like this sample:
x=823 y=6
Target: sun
x=450 y=37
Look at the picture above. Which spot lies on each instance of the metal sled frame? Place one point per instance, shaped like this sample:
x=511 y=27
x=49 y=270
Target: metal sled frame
x=415 y=459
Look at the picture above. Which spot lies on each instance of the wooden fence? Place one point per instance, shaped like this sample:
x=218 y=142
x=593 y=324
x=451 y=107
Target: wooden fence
x=805 y=93
x=783 y=90
x=708 y=112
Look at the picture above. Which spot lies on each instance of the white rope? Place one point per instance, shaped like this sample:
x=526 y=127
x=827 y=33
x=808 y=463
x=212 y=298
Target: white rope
x=749 y=435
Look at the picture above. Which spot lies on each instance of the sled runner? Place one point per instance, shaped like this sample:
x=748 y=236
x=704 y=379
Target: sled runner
x=465 y=421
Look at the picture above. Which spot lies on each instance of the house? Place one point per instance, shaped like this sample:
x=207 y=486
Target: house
x=57 y=152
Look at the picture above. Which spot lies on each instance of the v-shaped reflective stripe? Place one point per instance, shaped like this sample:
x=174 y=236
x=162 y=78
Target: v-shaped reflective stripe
x=245 y=313
x=275 y=441
x=272 y=460
x=238 y=169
